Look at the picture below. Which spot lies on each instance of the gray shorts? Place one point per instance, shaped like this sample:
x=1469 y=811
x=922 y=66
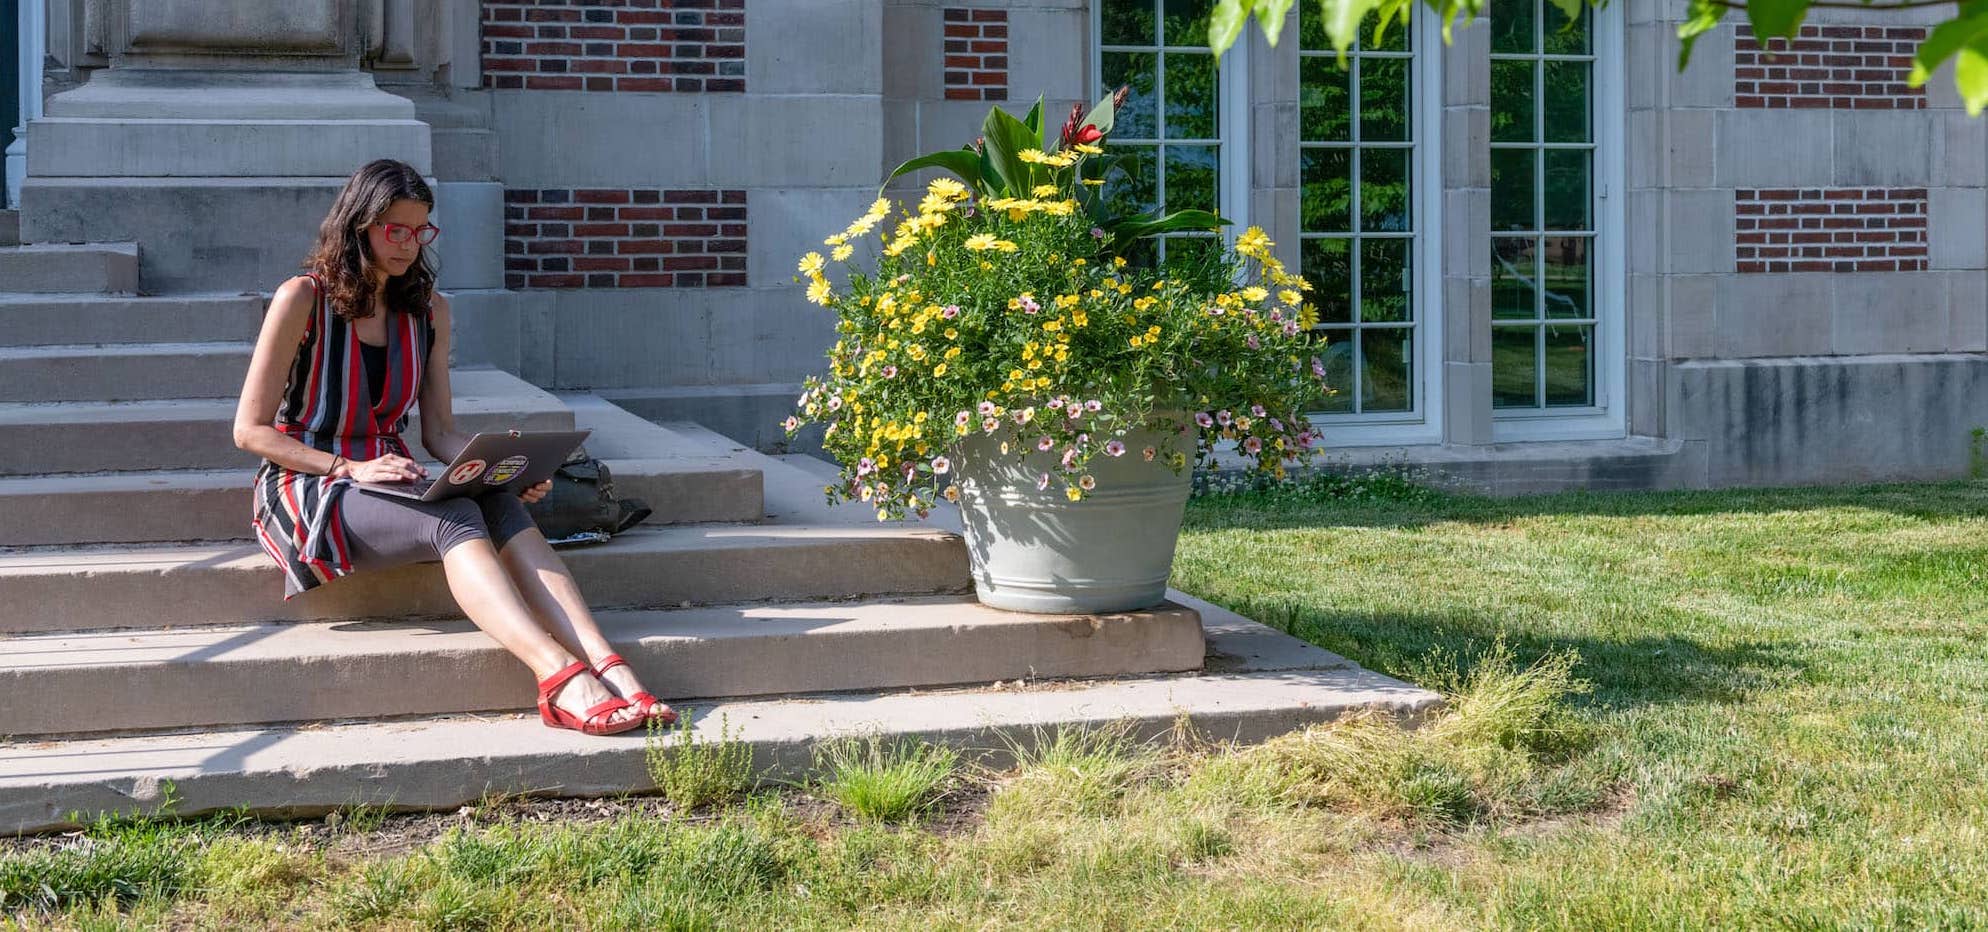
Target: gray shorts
x=385 y=530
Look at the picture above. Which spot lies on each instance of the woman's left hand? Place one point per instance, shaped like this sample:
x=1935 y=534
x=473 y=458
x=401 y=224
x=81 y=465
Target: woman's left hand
x=533 y=494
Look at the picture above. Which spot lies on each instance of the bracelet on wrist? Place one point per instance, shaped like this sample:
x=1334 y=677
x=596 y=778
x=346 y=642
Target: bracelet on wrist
x=335 y=460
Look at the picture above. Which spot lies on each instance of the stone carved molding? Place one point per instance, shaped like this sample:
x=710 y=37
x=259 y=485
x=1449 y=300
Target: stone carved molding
x=389 y=30
x=233 y=34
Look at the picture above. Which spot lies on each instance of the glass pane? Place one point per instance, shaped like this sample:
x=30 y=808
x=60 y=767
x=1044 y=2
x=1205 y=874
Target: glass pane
x=1511 y=101
x=1514 y=380
x=1567 y=191
x=1133 y=188
x=1396 y=40
x=1562 y=38
x=1512 y=186
x=1568 y=272
x=1512 y=277
x=1325 y=203
x=1311 y=30
x=1328 y=263
x=1569 y=365
x=1566 y=84
x=1385 y=280
x=1387 y=376
x=1385 y=204
x=1143 y=253
x=1135 y=120
x=1191 y=172
x=1511 y=25
x=1384 y=99
x=1185 y=22
x=1324 y=107
x=1190 y=96
x=1337 y=354
x=1128 y=22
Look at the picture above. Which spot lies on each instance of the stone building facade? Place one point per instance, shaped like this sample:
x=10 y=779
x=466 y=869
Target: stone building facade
x=1545 y=257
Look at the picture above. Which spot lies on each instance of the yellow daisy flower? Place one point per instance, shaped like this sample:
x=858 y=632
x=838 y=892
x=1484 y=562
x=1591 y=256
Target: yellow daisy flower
x=811 y=264
x=981 y=241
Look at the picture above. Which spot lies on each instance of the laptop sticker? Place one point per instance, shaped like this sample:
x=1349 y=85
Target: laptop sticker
x=466 y=473
x=506 y=470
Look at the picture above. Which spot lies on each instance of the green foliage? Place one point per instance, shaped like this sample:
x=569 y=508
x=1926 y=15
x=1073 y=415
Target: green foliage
x=116 y=861
x=693 y=772
x=1014 y=318
x=1963 y=39
x=885 y=781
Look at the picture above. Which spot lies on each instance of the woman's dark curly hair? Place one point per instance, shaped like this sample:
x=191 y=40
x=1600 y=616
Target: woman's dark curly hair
x=344 y=262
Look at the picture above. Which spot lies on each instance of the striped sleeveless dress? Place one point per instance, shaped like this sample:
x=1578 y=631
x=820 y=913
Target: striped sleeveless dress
x=326 y=405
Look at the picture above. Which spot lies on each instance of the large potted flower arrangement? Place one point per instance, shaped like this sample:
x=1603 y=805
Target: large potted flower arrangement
x=996 y=348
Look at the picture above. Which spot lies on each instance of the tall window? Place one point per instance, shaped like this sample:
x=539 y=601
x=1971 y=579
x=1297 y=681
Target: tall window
x=1357 y=207
x=1544 y=310
x=1171 y=124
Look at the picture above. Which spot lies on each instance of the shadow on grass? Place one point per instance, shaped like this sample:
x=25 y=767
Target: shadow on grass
x=1643 y=670
x=1291 y=508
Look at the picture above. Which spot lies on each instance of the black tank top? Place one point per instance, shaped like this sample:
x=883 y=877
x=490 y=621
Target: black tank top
x=375 y=358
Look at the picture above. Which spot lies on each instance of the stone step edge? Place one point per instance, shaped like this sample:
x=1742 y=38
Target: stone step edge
x=230 y=676
x=94 y=588
x=1276 y=684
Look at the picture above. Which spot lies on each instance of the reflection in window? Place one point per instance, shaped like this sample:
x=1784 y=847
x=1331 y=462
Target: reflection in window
x=1169 y=127
x=1356 y=211
x=1542 y=207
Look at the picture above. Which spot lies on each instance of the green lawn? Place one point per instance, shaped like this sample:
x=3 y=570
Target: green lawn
x=1782 y=726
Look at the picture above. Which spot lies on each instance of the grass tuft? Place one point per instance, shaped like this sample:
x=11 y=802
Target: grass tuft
x=693 y=772
x=885 y=781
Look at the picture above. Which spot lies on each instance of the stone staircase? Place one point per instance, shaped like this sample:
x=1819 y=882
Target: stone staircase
x=144 y=642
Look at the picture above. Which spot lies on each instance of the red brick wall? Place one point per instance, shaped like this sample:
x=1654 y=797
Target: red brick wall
x=1841 y=67
x=1830 y=229
x=976 y=54
x=624 y=238
x=614 y=45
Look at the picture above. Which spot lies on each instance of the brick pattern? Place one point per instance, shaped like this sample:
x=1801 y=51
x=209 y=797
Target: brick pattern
x=1839 y=67
x=624 y=238
x=614 y=45
x=1830 y=229
x=976 y=54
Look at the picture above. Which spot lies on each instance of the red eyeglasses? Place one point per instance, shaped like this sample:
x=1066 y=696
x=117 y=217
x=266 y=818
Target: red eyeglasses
x=397 y=233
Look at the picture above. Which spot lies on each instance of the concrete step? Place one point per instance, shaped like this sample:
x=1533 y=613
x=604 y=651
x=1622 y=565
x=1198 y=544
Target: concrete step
x=10 y=228
x=83 y=319
x=123 y=372
x=684 y=482
x=75 y=437
x=1260 y=683
x=237 y=675
x=89 y=588
x=88 y=267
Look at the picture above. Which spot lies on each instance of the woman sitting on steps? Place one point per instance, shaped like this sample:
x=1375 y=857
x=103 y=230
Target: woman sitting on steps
x=345 y=351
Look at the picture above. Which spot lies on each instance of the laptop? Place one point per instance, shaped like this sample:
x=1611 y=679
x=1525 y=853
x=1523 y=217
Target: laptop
x=507 y=460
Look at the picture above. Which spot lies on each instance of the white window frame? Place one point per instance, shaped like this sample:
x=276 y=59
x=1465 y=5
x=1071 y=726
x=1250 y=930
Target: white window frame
x=1423 y=424
x=1607 y=418
x=1232 y=186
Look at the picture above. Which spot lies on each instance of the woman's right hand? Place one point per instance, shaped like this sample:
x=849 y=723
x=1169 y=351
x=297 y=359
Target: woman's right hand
x=388 y=468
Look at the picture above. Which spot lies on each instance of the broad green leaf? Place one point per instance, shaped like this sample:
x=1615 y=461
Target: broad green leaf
x=1948 y=38
x=962 y=162
x=1006 y=138
x=1342 y=21
x=1179 y=220
x=1270 y=15
x=1388 y=11
x=1970 y=76
x=1101 y=116
x=1226 y=24
x=1034 y=120
x=1701 y=17
x=1781 y=18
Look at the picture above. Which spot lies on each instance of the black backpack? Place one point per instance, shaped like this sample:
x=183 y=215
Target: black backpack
x=582 y=507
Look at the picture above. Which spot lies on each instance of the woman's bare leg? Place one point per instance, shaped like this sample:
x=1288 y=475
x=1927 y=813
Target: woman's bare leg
x=548 y=587
x=485 y=591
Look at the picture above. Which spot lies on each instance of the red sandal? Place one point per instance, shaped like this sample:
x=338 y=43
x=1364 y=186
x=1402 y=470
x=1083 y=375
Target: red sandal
x=646 y=699
x=592 y=723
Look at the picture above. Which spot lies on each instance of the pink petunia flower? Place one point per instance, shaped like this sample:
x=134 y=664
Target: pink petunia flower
x=1093 y=405
x=1202 y=418
x=1256 y=410
x=1149 y=453
x=1223 y=417
x=890 y=372
x=1044 y=443
x=1042 y=482
x=1114 y=448
x=949 y=312
x=941 y=465
x=1252 y=446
